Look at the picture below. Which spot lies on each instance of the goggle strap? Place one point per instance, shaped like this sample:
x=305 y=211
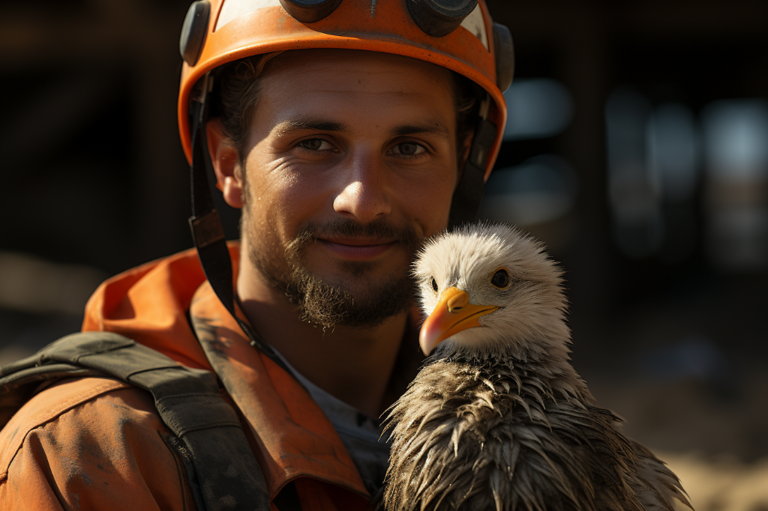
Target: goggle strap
x=207 y=231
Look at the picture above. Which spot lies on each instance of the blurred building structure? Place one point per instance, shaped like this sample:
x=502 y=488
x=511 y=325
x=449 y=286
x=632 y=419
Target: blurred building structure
x=637 y=149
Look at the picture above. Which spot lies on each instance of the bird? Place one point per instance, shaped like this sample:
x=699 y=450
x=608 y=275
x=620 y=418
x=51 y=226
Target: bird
x=497 y=417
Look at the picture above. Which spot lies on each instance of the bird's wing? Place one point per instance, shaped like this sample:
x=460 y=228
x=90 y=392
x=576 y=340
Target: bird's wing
x=661 y=485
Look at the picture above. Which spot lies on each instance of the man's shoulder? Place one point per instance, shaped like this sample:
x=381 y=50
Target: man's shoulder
x=90 y=443
x=73 y=409
x=149 y=304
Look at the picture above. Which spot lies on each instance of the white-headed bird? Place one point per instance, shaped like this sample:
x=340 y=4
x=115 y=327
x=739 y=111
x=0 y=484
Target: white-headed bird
x=498 y=418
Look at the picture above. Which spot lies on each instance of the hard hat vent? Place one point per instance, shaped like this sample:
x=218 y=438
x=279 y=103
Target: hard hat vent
x=439 y=18
x=193 y=31
x=309 y=11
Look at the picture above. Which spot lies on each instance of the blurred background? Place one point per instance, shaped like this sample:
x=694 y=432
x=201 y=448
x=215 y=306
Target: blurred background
x=636 y=149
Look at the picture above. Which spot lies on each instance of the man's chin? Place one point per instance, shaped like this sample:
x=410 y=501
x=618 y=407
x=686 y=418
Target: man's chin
x=364 y=285
x=364 y=303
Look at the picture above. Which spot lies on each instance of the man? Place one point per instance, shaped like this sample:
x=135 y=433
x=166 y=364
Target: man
x=346 y=136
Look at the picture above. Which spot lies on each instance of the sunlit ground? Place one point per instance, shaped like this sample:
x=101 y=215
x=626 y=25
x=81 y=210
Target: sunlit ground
x=721 y=483
x=716 y=444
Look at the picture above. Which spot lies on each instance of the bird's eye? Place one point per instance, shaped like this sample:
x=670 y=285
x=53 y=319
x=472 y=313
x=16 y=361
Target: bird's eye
x=500 y=279
x=434 y=284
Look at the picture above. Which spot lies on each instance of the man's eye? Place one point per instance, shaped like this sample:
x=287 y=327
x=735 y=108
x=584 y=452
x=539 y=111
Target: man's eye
x=315 y=144
x=408 y=149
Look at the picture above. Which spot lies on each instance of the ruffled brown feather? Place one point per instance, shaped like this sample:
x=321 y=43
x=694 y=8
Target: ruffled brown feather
x=464 y=437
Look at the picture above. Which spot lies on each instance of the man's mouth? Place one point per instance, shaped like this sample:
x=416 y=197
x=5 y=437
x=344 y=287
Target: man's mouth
x=357 y=248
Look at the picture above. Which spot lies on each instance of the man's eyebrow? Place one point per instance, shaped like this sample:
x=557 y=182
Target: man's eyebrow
x=417 y=129
x=291 y=125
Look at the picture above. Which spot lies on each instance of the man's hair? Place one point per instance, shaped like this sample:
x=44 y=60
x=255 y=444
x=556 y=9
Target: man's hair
x=236 y=94
x=239 y=86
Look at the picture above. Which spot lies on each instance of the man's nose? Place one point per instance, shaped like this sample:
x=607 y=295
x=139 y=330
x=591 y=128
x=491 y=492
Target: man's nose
x=365 y=189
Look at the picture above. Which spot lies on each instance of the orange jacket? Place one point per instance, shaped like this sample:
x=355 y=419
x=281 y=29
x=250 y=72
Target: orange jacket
x=96 y=443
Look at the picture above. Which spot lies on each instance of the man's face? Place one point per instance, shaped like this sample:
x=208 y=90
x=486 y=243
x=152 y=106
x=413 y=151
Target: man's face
x=351 y=162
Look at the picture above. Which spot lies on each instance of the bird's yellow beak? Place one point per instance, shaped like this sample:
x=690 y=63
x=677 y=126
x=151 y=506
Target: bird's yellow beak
x=452 y=314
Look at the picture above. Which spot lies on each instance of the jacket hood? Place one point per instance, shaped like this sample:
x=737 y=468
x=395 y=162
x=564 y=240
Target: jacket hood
x=149 y=304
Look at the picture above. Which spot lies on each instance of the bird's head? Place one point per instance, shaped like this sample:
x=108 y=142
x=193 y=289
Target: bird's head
x=487 y=288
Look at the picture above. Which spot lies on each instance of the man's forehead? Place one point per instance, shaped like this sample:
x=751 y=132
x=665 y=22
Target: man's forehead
x=333 y=90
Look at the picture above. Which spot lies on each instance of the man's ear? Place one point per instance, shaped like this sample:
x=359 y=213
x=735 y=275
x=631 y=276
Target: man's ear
x=226 y=163
x=465 y=146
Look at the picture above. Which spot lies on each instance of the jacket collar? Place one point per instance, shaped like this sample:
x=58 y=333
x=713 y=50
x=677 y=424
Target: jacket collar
x=293 y=435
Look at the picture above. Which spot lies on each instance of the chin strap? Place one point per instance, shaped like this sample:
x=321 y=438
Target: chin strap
x=207 y=232
x=469 y=191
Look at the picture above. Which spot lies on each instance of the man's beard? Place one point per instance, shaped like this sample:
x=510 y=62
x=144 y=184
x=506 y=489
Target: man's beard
x=327 y=305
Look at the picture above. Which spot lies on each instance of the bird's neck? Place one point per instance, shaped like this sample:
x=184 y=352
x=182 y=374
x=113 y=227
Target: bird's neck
x=541 y=364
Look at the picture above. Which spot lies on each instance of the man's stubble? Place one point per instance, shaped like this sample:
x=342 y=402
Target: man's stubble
x=321 y=303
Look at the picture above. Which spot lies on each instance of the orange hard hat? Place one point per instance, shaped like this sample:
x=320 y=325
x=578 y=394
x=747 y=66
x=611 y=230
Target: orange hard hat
x=456 y=34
